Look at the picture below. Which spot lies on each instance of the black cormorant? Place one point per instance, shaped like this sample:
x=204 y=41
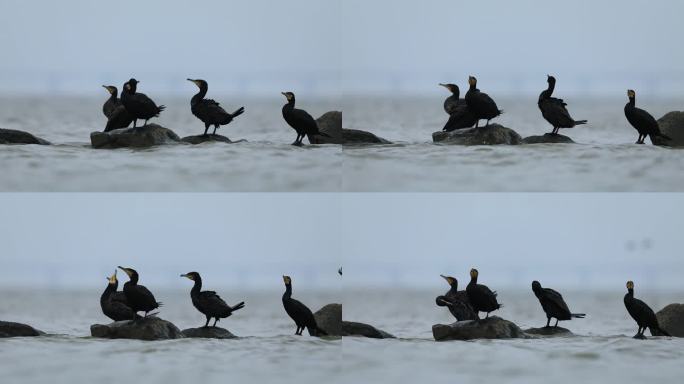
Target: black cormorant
x=299 y=120
x=299 y=312
x=208 y=302
x=642 y=314
x=641 y=120
x=553 y=304
x=481 y=297
x=553 y=109
x=116 y=113
x=138 y=104
x=456 y=301
x=139 y=298
x=208 y=110
x=480 y=104
x=460 y=115
x=114 y=304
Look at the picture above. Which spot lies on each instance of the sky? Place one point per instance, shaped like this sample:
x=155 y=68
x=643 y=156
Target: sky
x=575 y=241
x=352 y=47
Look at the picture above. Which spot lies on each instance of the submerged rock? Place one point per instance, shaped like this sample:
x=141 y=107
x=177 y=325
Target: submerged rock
x=548 y=138
x=329 y=319
x=671 y=319
x=12 y=136
x=150 y=328
x=549 y=331
x=351 y=328
x=493 y=327
x=209 y=333
x=672 y=125
x=330 y=123
x=199 y=139
x=494 y=134
x=139 y=137
x=10 y=329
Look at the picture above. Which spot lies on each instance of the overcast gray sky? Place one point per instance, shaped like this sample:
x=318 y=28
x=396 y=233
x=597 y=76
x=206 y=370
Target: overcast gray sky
x=381 y=46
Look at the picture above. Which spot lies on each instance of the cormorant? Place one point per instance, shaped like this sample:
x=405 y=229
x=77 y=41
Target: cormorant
x=208 y=302
x=480 y=104
x=208 y=110
x=460 y=115
x=456 y=301
x=138 y=104
x=299 y=120
x=642 y=314
x=481 y=297
x=116 y=113
x=114 y=304
x=340 y=271
x=553 y=304
x=553 y=109
x=299 y=312
x=139 y=298
x=641 y=120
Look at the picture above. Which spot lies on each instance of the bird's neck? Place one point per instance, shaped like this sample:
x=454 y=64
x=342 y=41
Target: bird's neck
x=290 y=104
x=200 y=95
x=134 y=280
x=197 y=287
x=456 y=93
x=111 y=288
x=632 y=101
x=473 y=87
x=114 y=95
x=288 y=292
x=454 y=288
x=630 y=293
x=473 y=280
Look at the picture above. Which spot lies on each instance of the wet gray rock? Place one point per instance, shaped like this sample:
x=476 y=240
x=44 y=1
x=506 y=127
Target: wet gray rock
x=330 y=123
x=209 y=333
x=671 y=319
x=10 y=329
x=150 y=328
x=549 y=332
x=140 y=137
x=493 y=327
x=494 y=134
x=351 y=328
x=672 y=125
x=548 y=138
x=199 y=139
x=329 y=319
x=13 y=136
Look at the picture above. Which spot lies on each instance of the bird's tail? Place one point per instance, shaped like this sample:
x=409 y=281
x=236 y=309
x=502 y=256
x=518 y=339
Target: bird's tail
x=580 y=122
x=657 y=331
x=578 y=315
x=239 y=305
x=161 y=108
x=238 y=112
x=159 y=304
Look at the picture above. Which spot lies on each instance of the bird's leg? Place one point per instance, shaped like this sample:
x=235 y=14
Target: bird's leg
x=146 y=122
x=548 y=322
x=487 y=317
x=215 y=321
x=215 y=127
x=487 y=125
x=207 y=323
x=556 y=326
x=206 y=129
x=135 y=121
x=477 y=123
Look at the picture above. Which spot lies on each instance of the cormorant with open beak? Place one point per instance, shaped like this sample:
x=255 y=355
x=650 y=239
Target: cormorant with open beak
x=456 y=301
x=114 y=304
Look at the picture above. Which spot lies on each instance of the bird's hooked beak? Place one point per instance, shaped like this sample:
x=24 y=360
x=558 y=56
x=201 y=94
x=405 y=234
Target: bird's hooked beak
x=444 y=85
x=127 y=270
x=112 y=278
x=188 y=276
x=194 y=82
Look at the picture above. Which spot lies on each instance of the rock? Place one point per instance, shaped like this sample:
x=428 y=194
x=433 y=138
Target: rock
x=494 y=134
x=329 y=319
x=10 y=329
x=671 y=319
x=350 y=328
x=209 y=333
x=330 y=123
x=548 y=138
x=199 y=139
x=139 y=137
x=150 y=328
x=672 y=125
x=549 y=331
x=493 y=327
x=12 y=136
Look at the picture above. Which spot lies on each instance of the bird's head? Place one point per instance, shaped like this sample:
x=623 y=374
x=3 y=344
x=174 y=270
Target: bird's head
x=287 y=280
x=472 y=81
x=451 y=87
x=630 y=285
x=131 y=85
x=132 y=273
x=473 y=273
x=631 y=94
x=191 y=275
x=450 y=280
x=289 y=95
x=550 y=79
x=199 y=83
x=110 y=88
x=536 y=286
x=112 y=279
